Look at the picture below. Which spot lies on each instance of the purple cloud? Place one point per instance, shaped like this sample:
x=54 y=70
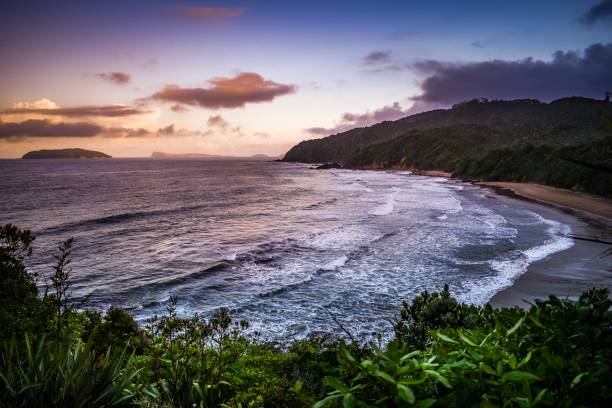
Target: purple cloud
x=568 y=74
x=118 y=78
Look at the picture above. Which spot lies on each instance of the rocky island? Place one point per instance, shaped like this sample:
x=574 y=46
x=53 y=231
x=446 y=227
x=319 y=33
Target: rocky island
x=65 y=154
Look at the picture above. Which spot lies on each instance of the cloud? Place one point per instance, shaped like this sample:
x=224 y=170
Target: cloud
x=177 y=107
x=206 y=13
x=119 y=78
x=217 y=121
x=45 y=128
x=47 y=108
x=168 y=130
x=149 y=63
x=377 y=57
x=602 y=11
x=262 y=135
x=246 y=87
x=569 y=73
x=351 y=120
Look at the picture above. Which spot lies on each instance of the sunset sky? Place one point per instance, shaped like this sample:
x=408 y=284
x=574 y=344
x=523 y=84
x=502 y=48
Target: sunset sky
x=246 y=77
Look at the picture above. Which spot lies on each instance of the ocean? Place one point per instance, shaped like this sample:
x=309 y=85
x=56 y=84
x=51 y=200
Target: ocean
x=279 y=244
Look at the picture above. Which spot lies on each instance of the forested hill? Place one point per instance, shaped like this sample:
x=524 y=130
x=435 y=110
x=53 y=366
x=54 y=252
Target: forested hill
x=565 y=143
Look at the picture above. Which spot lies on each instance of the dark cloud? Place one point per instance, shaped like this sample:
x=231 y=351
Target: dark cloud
x=80 y=111
x=353 y=120
x=377 y=57
x=16 y=131
x=168 y=130
x=567 y=74
x=217 y=121
x=119 y=78
x=246 y=87
x=177 y=107
x=477 y=44
x=206 y=13
x=129 y=133
x=44 y=128
x=602 y=11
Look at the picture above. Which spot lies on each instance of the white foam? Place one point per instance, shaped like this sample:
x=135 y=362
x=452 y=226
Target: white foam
x=335 y=264
x=443 y=217
x=510 y=269
x=345 y=237
x=230 y=257
x=389 y=205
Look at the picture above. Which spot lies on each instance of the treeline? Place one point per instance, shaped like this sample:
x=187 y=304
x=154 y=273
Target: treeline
x=442 y=353
x=566 y=143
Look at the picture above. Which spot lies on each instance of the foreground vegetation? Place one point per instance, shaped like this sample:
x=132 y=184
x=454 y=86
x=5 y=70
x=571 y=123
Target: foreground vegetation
x=442 y=353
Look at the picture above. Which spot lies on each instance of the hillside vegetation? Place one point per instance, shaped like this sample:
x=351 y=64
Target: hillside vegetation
x=566 y=143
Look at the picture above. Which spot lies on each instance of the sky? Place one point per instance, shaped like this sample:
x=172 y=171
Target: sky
x=256 y=77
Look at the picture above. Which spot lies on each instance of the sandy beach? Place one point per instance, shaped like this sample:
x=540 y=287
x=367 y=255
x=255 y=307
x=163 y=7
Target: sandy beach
x=568 y=273
x=568 y=199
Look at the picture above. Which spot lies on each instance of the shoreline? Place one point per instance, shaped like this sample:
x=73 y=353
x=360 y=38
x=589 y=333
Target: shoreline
x=566 y=199
x=567 y=273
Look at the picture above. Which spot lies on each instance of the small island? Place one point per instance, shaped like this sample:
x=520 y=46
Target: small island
x=65 y=154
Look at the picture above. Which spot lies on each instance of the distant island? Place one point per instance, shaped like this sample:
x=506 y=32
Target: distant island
x=163 y=155
x=65 y=154
x=565 y=143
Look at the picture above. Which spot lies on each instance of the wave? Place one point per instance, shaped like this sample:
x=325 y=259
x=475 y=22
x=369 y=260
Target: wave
x=389 y=205
x=115 y=219
x=335 y=264
x=511 y=268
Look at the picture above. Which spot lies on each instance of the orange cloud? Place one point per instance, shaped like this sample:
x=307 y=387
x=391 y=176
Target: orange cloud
x=246 y=87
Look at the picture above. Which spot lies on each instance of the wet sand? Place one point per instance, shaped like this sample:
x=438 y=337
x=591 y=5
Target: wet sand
x=568 y=273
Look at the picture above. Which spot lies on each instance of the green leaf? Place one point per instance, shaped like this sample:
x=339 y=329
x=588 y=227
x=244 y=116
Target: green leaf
x=525 y=360
x=384 y=376
x=446 y=338
x=439 y=377
x=327 y=401
x=512 y=361
x=347 y=354
x=487 y=369
x=540 y=396
x=349 y=401
x=297 y=386
x=577 y=379
x=467 y=340
x=516 y=326
x=405 y=393
x=518 y=376
x=336 y=384
x=425 y=403
x=409 y=355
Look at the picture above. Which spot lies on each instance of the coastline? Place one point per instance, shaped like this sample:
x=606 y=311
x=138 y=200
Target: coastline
x=568 y=199
x=565 y=274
